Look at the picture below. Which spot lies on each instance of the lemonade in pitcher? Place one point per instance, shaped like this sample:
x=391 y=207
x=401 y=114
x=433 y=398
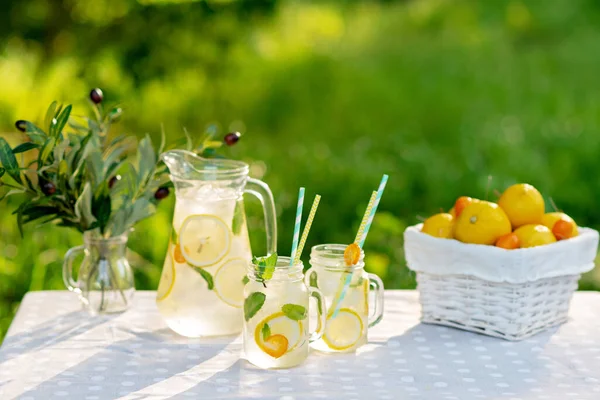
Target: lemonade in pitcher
x=204 y=273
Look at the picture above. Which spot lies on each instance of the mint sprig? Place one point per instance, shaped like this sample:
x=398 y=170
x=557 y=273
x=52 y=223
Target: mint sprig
x=265 y=267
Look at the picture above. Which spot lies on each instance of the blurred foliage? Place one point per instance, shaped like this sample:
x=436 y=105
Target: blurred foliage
x=439 y=94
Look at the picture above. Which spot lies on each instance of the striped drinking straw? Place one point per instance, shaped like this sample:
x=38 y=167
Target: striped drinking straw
x=309 y=221
x=361 y=236
x=297 y=225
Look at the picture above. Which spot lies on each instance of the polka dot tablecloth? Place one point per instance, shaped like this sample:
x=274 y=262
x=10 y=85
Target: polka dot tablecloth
x=54 y=350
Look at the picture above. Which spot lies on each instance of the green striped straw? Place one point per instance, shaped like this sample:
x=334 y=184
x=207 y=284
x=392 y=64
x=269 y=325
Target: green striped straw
x=374 y=210
x=311 y=216
x=362 y=237
x=297 y=225
x=363 y=223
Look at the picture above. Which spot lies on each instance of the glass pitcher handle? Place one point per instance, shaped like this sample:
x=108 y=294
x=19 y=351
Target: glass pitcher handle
x=377 y=315
x=321 y=314
x=263 y=193
x=68 y=268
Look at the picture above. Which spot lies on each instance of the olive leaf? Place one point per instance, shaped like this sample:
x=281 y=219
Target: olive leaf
x=146 y=159
x=265 y=331
x=294 y=311
x=2 y=171
x=83 y=207
x=252 y=304
x=50 y=114
x=9 y=161
x=101 y=206
x=23 y=147
x=58 y=123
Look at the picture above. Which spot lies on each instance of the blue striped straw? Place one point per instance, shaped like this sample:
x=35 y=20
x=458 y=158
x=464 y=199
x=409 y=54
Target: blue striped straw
x=297 y=225
x=362 y=241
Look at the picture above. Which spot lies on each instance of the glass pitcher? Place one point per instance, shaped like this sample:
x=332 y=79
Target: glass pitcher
x=201 y=290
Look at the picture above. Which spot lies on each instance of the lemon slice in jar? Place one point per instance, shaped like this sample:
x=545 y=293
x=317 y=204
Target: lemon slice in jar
x=167 y=279
x=204 y=240
x=229 y=282
x=344 y=330
x=271 y=331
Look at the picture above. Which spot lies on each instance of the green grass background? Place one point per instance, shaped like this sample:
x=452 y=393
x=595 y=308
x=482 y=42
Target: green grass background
x=439 y=94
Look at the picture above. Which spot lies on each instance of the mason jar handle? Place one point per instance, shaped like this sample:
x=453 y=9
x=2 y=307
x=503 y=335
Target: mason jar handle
x=321 y=314
x=68 y=268
x=377 y=315
x=263 y=193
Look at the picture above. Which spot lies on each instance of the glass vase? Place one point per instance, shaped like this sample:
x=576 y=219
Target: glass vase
x=104 y=280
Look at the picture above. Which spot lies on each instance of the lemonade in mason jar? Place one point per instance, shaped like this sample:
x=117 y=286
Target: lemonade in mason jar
x=348 y=317
x=201 y=287
x=276 y=313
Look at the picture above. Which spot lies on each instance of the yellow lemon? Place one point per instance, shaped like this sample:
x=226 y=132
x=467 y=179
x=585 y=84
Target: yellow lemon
x=481 y=222
x=534 y=235
x=549 y=220
x=229 y=282
x=523 y=204
x=204 y=240
x=439 y=225
x=167 y=278
x=344 y=331
x=269 y=331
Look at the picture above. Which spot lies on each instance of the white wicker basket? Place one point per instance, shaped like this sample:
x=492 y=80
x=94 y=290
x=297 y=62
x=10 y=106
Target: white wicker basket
x=511 y=294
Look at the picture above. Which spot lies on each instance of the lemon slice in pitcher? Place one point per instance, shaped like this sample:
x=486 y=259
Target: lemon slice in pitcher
x=267 y=334
x=167 y=279
x=344 y=331
x=204 y=240
x=229 y=282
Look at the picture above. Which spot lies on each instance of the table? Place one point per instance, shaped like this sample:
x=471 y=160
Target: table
x=55 y=350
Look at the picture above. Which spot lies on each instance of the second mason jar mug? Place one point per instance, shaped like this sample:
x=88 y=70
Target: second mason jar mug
x=276 y=315
x=349 y=315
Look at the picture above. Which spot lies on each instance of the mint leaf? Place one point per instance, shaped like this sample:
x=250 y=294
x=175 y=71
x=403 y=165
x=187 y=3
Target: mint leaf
x=294 y=311
x=206 y=275
x=174 y=236
x=313 y=279
x=358 y=282
x=238 y=218
x=266 y=331
x=252 y=304
x=266 y=267
x=245 y=280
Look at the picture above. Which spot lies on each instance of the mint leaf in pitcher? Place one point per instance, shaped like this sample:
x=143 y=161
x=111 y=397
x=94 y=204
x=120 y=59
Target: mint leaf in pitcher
x=238 y=218
x=206 y=275
x=252 y=304
x=174 y=237
x=294 y=311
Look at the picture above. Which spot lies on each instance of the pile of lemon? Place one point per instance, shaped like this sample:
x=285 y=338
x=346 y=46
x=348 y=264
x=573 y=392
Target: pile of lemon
x=518 y=220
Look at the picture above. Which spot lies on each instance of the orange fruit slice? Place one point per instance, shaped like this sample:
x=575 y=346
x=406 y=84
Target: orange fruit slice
x=178 y=256
x=275 y=345
x=352 y=254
